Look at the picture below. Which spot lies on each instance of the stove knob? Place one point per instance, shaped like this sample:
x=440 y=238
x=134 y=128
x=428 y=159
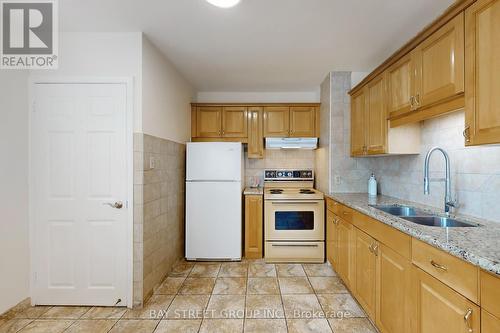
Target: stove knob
x=280 y=174
x=289 y=174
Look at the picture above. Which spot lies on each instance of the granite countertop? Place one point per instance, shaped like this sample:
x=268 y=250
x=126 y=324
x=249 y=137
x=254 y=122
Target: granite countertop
x=480 y=246
x=253 y=190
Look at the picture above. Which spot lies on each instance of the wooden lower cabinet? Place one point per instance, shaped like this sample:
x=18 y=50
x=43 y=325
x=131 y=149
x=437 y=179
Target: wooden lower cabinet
x=253 y=226
x=346 y=251
x=392 y=291
x=436 y=308
x=489 y=323
x=366 y=262
x=331 y=239
x=392 y=282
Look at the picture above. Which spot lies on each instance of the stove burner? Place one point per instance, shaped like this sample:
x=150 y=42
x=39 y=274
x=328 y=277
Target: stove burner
x=306 y=191
x=276 y=191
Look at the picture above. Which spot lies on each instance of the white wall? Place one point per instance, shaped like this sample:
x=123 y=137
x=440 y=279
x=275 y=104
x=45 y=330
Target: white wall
x=356 y=77
x=14 y=236
x=258 y=97
x=85 y=54
x=166 y=97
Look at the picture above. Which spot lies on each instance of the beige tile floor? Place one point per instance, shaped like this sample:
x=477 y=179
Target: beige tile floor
x=250 y=296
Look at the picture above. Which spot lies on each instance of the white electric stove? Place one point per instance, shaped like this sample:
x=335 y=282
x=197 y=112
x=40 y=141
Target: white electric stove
x=294 y=217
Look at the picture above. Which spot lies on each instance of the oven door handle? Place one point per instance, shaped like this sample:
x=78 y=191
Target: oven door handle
x=294 y=245
x=294 y=202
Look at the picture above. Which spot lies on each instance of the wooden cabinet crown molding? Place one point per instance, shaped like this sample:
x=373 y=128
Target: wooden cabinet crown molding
x=450 y=13
x=196 y=104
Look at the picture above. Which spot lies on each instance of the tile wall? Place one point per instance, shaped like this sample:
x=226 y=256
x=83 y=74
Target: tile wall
x=276 y=159
x=347 y=174
x=322 y=154
x=159 y=191
x=475 y=170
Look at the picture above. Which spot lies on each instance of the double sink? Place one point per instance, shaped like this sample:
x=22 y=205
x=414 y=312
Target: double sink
x=420 y=217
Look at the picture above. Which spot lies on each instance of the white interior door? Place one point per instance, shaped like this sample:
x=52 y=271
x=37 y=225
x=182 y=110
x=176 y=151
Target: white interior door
x=79 y=165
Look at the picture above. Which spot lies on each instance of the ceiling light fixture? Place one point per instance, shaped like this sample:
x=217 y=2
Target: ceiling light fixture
x=224 y=3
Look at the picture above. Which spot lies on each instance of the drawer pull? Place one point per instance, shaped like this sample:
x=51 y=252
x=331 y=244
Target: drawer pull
x=438 y=266
x=467 y=316
x=345 y=213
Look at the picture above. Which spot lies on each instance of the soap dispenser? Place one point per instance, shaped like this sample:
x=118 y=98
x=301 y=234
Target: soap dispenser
x=372 y=186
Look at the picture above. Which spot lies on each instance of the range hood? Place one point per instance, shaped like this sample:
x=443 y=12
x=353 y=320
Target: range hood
x=291 y=143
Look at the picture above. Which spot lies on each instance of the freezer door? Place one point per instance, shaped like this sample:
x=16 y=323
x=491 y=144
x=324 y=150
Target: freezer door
x=214 y=161
x=213 y=220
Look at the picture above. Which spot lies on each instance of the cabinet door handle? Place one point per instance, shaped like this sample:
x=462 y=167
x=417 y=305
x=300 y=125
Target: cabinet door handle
x=467 y=316
x=417 y=101
x=412 y=105
x=375 y=249
x=466 y=133
x=438 y=266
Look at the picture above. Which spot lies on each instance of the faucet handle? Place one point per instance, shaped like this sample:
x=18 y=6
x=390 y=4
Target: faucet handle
x=453 y=203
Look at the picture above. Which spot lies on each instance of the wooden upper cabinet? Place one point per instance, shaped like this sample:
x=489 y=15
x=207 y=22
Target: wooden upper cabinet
x=439 y=62
x=234 y=122
x=482 y=40
x=208 y=121
x=376 y=117
x=358 y=117
x=365 y=271
x=400 y=86
x=255 y=133
x=439 y=309
x=302 y=121
x=276 y=121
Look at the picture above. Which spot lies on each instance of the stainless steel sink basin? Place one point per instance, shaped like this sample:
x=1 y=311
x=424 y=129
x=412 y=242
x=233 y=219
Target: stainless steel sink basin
x=437 y=221
x=419 y=217
x=398 y=210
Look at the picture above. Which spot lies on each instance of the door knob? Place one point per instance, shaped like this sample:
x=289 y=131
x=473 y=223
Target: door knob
x=117 y=205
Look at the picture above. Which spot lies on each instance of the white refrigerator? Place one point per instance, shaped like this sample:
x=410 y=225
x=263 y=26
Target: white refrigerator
x=214 y=186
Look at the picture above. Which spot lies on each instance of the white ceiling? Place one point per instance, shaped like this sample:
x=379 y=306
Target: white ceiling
x=261 y=45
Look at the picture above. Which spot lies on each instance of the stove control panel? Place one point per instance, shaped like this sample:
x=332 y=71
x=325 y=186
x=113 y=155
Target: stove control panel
x=288 y=175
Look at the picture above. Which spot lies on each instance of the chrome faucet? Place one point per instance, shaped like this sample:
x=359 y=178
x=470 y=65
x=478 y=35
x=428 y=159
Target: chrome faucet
x=448 y=202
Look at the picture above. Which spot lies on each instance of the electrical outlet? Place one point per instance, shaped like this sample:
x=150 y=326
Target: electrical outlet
x=337 y=179
x=152 y=162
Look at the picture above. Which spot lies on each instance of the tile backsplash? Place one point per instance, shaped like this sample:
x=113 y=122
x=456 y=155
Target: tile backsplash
x=276 y=159
x=475 y=170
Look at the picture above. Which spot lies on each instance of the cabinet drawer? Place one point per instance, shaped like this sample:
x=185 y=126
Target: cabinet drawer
x=455 y=273
x=333 y=206
x=340 y=210
x=489 y=323
x=385 y=234
x=295 y=252
x=490 y=293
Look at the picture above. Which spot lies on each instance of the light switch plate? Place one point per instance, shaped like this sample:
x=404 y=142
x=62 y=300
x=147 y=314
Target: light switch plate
x=337 y=179
x=152 y=162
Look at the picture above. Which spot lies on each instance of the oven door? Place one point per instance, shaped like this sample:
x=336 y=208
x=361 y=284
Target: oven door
x=294 y=220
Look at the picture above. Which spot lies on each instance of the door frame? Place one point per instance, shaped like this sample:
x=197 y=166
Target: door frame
x=129 y=130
